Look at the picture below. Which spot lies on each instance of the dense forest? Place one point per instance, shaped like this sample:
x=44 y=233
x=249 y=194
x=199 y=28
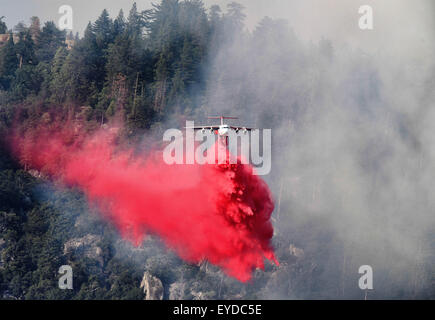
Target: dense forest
x=147 y=66
x=156 y=68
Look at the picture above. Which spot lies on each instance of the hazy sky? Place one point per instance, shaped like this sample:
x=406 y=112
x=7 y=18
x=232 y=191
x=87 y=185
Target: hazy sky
x=395 y=21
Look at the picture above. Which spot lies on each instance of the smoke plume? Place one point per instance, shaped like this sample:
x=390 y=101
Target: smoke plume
x=351 y=113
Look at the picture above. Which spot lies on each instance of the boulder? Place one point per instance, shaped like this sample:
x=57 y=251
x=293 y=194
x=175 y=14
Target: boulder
x=203 y=295
x=152 y=287
x=35 y=173
x=87 y=246
x=297 y=252
x=176 y=291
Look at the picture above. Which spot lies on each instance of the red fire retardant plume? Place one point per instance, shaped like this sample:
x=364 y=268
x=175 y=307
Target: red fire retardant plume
x=216 y=212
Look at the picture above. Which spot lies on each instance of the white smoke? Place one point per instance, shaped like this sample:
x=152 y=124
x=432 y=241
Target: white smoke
x=352 y=114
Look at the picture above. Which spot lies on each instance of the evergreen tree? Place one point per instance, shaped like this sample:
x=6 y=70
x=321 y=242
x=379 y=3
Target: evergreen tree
x=135 y=22
x=35 y=28
x=215 y=14
x=20 y=28
x=122 y=58
x=59 y=79
x=49 y=40
x=236 y=14
x=8 y=63
x=162 y=24
x=89 y=60
x=3 y=27
x=26 y=79
x=216 y=36
x=234 y=20
x=119 y=24
x=103 y=29
x=25 y=49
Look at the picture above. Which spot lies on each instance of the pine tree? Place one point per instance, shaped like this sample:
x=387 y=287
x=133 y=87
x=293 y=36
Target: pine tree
x=25 y=49
x=8 y=63
x=121 y=58
x=215 y=14
x=35 y=28
x=3 y=27
x=135 y=23
x=234 y=19
x=49 y=40
x=20 y=28
x=235 y=12
x=119 y=24
x=58 y=77
x=103 y=29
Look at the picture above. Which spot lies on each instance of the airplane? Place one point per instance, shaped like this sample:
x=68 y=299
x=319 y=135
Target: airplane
x=221 y=129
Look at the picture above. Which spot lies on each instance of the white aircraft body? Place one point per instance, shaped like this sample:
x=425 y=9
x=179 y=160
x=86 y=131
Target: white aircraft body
x=222 y=129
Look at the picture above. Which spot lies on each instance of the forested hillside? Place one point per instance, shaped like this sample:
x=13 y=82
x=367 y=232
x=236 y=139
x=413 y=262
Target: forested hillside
x=147 y=66
x=158 y=67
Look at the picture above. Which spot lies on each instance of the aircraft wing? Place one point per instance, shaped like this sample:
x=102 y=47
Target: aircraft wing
x=242 y=128
x=203 y=127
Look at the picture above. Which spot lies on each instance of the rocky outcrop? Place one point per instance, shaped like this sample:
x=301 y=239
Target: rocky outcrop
x=201 y=295
x=8 y=296
x=4 y=38
x=35 y=173
x=297 y=252
x=87 y=246
x=152 y=287
x=176 y=291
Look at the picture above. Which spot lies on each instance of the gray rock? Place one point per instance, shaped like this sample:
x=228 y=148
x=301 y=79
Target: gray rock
x=176 y=291
x=201 y=295
x=297 y=252
x=86 y=246
x=9 y=296
x=152 y=287
x=199 y=291
x=35 y=173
